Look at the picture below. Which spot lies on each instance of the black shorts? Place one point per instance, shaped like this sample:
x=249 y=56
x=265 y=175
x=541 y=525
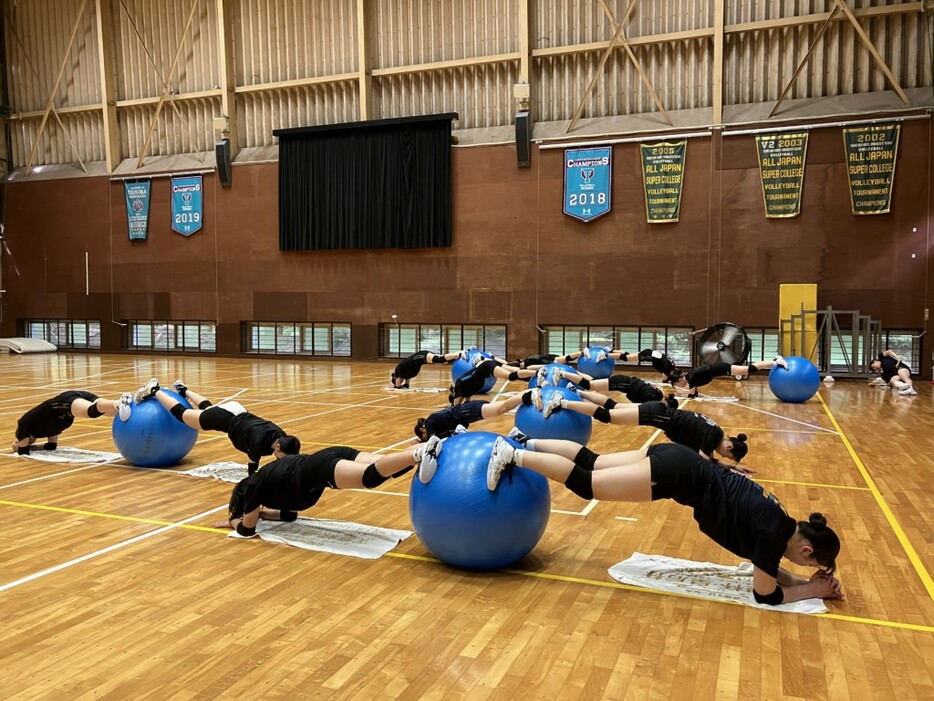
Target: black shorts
x=678 y=473
x=317 y=469
x=215 y=418
x=657 y=414
x=637 y=391
x=472 y=382
x=470 y=412
x=66 y=398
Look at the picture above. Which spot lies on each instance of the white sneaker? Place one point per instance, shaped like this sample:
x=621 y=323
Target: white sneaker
x=541 y=376
x=146 y=391
x=517 y=435
x=460 y=428
x=428 y=459
x=125 y=406
x=901 y=385
x=462 y=355
x=501 y=458
x=586 y=353
x=908 y=391
x=537 y=398
x=179 y=387
x=780 y=361
x=877 y=382
x=557 y=374
x=554 y=402
x=601 y=356
x=478 y=358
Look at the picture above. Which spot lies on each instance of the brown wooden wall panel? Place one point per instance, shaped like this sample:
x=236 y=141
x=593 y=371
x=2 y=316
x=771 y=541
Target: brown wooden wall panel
x=516 y=258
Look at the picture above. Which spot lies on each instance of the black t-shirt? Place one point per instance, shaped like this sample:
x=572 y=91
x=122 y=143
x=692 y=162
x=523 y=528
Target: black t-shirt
x=442 y=423
x=744 y=518
x=890 y=366
x=539 y=360
x=694 y=430
x=410 y=367
x=51 y=417
x=253 y=435
x=288 y=484
x=703 y=375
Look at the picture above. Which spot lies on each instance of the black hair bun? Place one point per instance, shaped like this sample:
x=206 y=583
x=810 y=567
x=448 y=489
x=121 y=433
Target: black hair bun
x=817 y=521
x=743 y=437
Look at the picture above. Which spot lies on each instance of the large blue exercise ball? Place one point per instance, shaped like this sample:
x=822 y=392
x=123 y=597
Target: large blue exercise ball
x=466 y=525
x=533 y=381
x=152 y=437
x=597 y=370
x=461 y=367
x=563 y=424
x=795 y=384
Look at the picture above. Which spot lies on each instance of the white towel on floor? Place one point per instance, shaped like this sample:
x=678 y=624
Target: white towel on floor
x=338 y=537
x=64 y=454
x=704 y=580
x=231 y=472
x=430 y=390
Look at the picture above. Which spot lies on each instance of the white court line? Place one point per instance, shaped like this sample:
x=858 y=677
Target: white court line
x=109 y=548
x=593 y=502
x=625 y=518
x=779 y=416
x=56 y=474
x=233 y=396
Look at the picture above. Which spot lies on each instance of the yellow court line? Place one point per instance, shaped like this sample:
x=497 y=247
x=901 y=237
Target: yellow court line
x=816 y=484
x=880 y=500
x=523 y=573
x=642 y=590
x=116 y=517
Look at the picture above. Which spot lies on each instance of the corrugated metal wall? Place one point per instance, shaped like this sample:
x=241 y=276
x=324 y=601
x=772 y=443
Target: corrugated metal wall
x=298 y=63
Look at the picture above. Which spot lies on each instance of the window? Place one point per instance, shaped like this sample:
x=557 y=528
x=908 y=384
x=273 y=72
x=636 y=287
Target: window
x=321 y=338
x=676 y=341
x=66 y=333
x=906 y=344
x=172 y=336
x=400 y=340
x=764 y=343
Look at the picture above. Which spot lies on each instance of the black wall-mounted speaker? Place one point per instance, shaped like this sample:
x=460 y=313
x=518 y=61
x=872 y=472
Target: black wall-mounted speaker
x=222 y=155
x=523 y=139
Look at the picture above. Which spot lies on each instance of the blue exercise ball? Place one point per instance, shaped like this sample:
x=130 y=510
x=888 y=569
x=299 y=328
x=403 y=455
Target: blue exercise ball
x=563 y=424
x=795 y=384
x=466 y=525
x=461 y=367
x=152 y=437
x=533 y=381
x=597 y=370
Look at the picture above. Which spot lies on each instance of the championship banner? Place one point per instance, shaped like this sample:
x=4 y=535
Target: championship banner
x=186 y=204
x=870 y=166
x=137 y=208
x=781 y=170
x=662 y=178
x=587 y=177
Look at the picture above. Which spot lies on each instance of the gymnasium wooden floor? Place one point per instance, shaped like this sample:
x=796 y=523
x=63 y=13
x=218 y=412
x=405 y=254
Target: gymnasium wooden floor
x=115 y=586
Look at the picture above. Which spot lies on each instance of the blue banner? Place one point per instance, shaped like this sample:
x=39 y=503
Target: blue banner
x=588 y=174
x=186 y=204
x=137 y=208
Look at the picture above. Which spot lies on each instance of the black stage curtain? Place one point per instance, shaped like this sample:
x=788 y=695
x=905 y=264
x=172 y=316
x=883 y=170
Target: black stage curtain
x=384 y=184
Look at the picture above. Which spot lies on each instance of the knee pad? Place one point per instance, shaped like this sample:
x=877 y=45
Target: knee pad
x=372 y=478
x=178 y=411
x=50 y=446
x=753 y=370
x=204 y=405
x=23 y=450
x=94 y=412
x=585 y=458
x=580 y=481
x=513 y=376
x=584 y=383
x=288 y=516
x=602 y=414
x=610 y=404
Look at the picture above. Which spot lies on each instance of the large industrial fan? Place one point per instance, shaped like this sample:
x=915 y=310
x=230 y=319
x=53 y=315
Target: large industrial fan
x=723 y=343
